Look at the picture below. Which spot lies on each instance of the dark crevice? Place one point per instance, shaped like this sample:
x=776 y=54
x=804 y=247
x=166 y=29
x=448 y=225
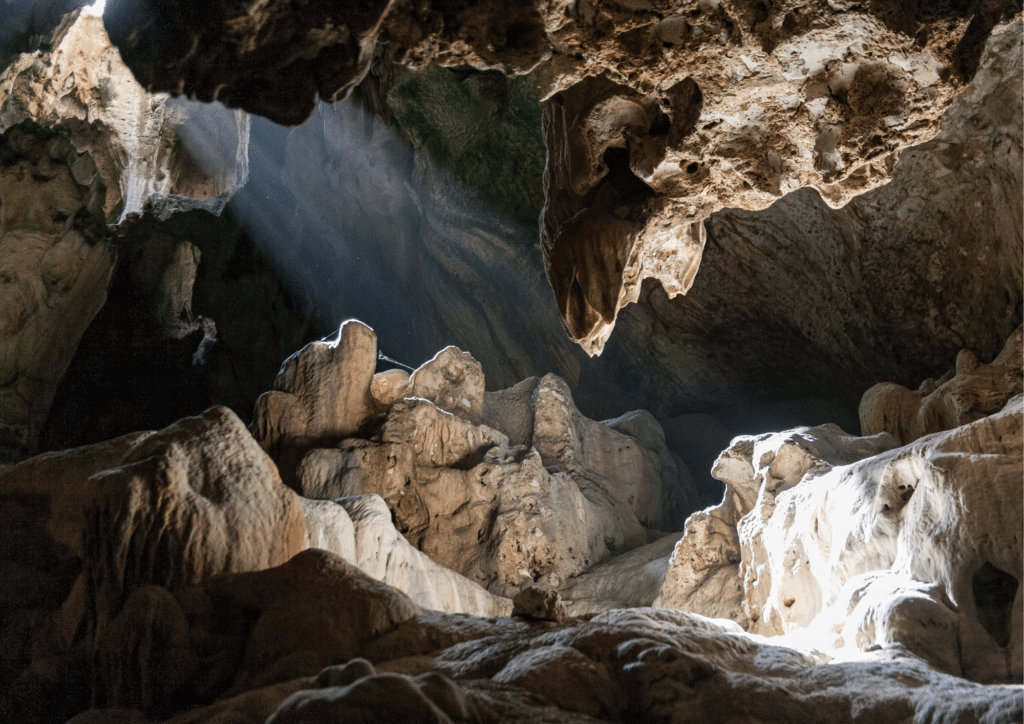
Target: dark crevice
x=994 y=593
x=627 y=187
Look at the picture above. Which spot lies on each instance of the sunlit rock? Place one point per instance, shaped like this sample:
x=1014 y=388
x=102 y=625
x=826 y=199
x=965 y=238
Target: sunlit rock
x=361 y=531
x=972 y=392
x=817 y=520
x=547 y=499
x=658 y=117
x=879 y=290
x=123 y=137
x=321 y=395
x=83 y=144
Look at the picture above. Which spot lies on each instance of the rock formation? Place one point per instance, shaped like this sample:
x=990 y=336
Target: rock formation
x=974 y=391
x=124 y=137
x=627 y=665
x=657 y=114
x=841 y=535
x=82 y=144
x=412 y=546
x=877 y=291
x=505 y=487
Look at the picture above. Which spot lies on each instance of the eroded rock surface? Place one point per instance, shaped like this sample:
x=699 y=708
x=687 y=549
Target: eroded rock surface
x=877 y=291
x=972 y=391
x=82 y=144
x=666 y=113
x=657 y=114
x=505 y=488
x=647 y=664
x=124 y=137
x=55 y=265
x=814 y=519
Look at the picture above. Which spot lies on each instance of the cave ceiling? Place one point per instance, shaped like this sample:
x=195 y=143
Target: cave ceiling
x=656 y=113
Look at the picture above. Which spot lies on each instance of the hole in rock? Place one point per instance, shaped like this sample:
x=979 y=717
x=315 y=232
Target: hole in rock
x=688 y=103
x=628 y=188
x=660 y=125
x=692 y=167
x=994 y=592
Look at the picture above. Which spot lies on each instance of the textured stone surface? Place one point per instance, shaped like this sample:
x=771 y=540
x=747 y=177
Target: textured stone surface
x=124 y=137
x=55 y=264
x=666 y=116
x=361 y=530
x=546 y=500
x=974 y=391
x=321 y=396
x=877 y=291
x=657 y=114
x=83 y=143
x=815 y=520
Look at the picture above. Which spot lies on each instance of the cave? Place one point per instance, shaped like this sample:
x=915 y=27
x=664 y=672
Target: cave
x=467 y=362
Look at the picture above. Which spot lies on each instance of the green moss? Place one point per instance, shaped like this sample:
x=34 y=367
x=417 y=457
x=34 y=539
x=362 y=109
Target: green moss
x=484 y=128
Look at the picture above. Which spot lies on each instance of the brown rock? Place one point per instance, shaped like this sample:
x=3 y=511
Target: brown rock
x=453 y=381
x=975 y=391
x=498 y=513
x=539 y=604
x=321 y=395
x=383 y=697
x=124 y=139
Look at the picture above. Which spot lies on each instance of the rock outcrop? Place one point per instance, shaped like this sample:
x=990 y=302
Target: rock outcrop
x=81 y=144
x=124 y=138
x=657 y=114
x=814 y=519
x=98 y=539
x=974 y=390
x=877 y=291
x=506 y=488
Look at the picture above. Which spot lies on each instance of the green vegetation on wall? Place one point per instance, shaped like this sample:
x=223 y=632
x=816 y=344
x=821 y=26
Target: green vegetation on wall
x=481 y=126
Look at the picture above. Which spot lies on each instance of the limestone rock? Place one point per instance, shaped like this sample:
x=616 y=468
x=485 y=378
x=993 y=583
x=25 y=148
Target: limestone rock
x=82 y=144
x=658 y=665
x=704 y=572
x=184 y=483
x=134 y=510
x=567 y=493
x=54 y=282
x=976 y=390
x=539 y=604
x=390 y=697
x=123 y=137
x=645 y=144
x=631 y=580
x=381 y=552
x=321 y=395
x=388 y=386
x=657 y=115
x=313 y=611
x=845 y=523
x=876 y=291
x=453 y=381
